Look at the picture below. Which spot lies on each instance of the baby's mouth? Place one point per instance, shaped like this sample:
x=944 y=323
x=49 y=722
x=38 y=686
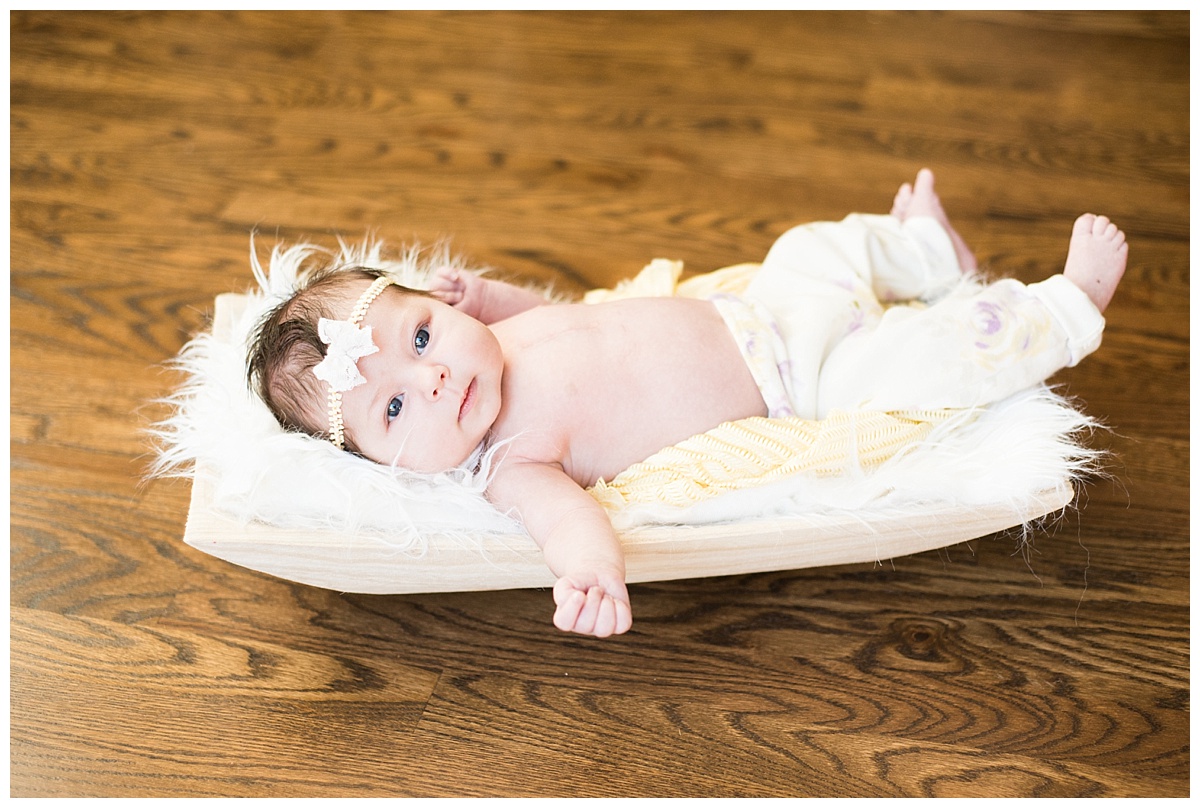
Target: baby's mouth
x=468 y=400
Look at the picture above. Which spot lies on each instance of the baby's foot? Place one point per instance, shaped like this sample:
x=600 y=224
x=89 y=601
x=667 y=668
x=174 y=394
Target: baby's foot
x=1096 y=258
x=902 y=201
x=922 y=200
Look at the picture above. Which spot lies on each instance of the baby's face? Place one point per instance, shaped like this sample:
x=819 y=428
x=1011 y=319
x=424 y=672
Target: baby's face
x=433 y=388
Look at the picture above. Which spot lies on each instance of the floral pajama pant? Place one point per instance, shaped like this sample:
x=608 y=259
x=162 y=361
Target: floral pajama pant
x=872 y=313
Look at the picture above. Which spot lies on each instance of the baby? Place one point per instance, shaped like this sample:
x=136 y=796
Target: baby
x=580 y=392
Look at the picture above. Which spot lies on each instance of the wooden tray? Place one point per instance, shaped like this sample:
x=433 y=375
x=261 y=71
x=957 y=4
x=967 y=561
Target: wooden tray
x=367 y=564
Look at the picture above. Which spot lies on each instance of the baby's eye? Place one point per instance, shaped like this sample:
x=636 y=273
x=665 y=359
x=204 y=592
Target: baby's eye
x=394 y=407
x=421 y=339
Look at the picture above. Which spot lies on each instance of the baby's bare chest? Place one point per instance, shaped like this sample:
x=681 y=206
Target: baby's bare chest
x=616 y=382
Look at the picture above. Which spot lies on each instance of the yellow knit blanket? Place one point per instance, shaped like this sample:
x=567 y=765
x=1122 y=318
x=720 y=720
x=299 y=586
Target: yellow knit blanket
x=753 y=451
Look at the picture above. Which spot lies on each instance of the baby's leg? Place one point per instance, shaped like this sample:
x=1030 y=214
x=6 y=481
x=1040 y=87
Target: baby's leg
x=824 y=280
x=891 y=258
x=920 y=199
x=964 y=351
x=973 y=349
x=1096 y=258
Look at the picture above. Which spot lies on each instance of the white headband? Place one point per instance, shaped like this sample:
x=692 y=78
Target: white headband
x=347 y=344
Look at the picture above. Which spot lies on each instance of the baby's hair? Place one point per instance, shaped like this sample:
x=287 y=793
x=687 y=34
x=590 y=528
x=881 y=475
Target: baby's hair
x=285 y=347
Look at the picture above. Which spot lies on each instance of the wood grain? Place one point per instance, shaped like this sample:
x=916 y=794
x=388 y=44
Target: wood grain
x=572 y=148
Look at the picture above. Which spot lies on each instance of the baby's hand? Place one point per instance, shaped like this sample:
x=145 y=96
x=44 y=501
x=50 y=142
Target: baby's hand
x=596 y=605
x=464 y=291
x=448 y=285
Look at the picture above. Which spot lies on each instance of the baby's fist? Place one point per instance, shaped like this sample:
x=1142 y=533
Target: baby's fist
x=448 y=285
x=600 y=609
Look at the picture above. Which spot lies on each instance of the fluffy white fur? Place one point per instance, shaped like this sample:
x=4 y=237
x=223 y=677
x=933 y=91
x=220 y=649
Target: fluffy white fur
x=1005 y=454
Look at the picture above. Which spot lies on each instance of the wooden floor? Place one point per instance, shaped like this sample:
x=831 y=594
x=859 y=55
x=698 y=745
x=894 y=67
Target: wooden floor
x=574 y=148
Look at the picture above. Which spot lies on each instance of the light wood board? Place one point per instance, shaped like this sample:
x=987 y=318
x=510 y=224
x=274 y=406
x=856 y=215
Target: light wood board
x=367 y=564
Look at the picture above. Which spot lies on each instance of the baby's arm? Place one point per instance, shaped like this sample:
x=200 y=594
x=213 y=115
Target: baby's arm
x=578 y=544
x=486 y=300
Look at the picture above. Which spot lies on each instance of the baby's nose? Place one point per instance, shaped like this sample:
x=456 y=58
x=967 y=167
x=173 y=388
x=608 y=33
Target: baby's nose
x=437 y=381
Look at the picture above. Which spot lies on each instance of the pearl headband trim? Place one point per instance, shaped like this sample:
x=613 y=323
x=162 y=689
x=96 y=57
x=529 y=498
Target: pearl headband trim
x=347 y=344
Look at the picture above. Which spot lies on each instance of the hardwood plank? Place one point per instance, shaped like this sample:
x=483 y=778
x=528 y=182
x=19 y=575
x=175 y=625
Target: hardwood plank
x=744 y=748
x=218 y=706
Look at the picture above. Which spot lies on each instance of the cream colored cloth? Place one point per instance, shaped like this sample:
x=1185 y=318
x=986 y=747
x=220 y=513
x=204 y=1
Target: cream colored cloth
x=757 y=451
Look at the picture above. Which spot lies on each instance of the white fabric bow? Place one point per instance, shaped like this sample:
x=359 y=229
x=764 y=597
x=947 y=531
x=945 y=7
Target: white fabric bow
x=347 y=344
